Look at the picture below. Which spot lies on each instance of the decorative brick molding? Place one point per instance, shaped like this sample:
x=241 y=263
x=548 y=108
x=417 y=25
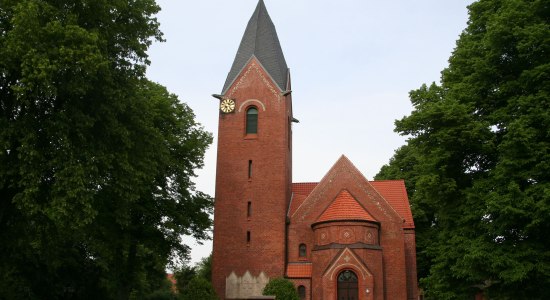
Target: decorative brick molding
x=254 y=66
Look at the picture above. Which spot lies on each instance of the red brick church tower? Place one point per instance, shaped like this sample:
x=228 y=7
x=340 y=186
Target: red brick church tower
x=341 y=238
x=254 y=165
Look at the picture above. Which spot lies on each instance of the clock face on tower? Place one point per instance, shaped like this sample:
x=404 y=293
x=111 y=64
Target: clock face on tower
x=227 y=105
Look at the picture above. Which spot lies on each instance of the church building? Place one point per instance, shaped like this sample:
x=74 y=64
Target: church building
x=343 y=238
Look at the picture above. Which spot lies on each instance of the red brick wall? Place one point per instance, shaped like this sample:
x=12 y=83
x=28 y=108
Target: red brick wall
x=410 y=259
x=306 y=283
x=324 y=285
x=386 y=263
x=268 y=189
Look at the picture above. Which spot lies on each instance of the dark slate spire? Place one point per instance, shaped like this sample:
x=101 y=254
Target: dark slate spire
x=260 y=40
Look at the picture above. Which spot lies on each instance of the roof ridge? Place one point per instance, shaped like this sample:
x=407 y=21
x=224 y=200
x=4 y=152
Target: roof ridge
x=323 y=180
x=257 y=13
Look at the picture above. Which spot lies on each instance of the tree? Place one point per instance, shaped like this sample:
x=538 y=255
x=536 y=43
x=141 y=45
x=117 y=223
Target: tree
x=204 y=268
x=164 y=292
x=478 y=158
x=96 y=161
x=183 y=276
x=282 y=288
x=199 y=288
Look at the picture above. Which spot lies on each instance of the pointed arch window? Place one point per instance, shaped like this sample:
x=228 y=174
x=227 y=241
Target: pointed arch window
x=252 y=120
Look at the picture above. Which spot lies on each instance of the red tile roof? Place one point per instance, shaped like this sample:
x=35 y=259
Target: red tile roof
x=172 y=279
x=395 y=193
x=297 y=200
x=303 y=188
x=300 y=191
x=345 y=207
x=298 y=270
x=392 y=190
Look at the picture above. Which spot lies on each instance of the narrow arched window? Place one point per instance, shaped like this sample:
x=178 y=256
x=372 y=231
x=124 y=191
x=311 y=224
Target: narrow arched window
x=302 y=250
x=252 y=120
x=302 y=292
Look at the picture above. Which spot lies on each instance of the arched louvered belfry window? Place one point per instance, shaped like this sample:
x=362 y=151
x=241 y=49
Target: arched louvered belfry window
x=252 y=120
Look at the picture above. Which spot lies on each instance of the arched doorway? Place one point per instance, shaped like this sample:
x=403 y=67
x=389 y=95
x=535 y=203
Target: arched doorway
x=348 y=288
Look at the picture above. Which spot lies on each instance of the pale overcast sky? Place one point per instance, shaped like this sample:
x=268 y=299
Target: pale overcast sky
x=352 y=65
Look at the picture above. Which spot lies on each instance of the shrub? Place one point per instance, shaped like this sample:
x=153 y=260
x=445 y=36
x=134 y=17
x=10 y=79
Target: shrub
x=282 y=288
x=198 y=288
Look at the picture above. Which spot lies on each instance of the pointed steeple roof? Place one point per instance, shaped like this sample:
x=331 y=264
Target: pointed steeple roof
x=260 y=40
x=345 y=207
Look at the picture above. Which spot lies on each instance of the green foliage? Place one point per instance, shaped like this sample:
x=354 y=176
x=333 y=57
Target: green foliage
x=204 y=268
x=97 y=162
x=190 y=280
x=161 y=295
x=183 y=276
x=282 y=288
x=165 y=292
x=477 y=163
x=198 y=288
